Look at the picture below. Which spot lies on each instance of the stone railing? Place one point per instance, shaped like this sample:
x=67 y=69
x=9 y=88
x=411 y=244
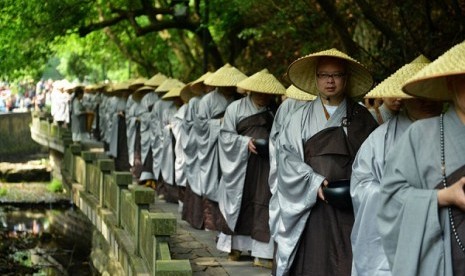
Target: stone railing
x=137 y=238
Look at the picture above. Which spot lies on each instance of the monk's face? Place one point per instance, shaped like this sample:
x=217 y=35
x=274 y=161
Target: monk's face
x=331 y=77
x=261 y=99
x=393 y=104
x=422 y=108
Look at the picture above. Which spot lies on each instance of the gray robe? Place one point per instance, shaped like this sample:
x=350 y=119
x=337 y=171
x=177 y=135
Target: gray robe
x=117 y=105
x=234 y=154
x=157 y=122
x=298 y=184
x=189 y=145
x=77 y=120
x=367 y=171
x=207 y=130
x=167 y=154
x=132 y=108
x=414 y=230
x=147 y=103
x=282 y=114
x=180 y=157
x=384 y=113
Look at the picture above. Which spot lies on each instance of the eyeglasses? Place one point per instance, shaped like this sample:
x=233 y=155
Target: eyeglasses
x=326 y=76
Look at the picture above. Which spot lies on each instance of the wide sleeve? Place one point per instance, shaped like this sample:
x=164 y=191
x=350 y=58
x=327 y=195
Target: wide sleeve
x=297 y=190
x=233 y=156
x=368 y=253
x=408 y=217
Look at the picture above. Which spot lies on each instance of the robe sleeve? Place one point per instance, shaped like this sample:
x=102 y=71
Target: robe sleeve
x=368 y=253
x=297 y=190
x=408 y=219
x=233 y=156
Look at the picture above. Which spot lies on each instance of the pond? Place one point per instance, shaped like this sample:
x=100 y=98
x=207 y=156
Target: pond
x=45 y=241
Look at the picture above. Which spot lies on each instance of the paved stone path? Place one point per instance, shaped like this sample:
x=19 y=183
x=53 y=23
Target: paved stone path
x=199 y=247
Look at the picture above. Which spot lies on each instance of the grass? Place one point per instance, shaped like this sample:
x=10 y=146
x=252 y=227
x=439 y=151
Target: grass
x=55 y=186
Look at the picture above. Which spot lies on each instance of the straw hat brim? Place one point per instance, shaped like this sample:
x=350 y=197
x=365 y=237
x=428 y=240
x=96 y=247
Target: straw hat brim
x=169 y=84
x=173 y=93
x=262 y=82
x=156 y=80
x=391 y=87
x=226 y=76
x=302 y=73
x=297 y=94
x=431 y=81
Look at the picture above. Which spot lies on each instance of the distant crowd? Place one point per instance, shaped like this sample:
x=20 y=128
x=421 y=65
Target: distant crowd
x=25 y=96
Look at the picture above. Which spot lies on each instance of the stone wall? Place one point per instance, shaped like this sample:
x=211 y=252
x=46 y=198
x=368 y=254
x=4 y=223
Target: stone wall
x=15 y=136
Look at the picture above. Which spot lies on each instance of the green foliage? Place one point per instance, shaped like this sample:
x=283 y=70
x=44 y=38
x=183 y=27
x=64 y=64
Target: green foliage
x=55 y=186
x=3 y=191
x=251 y=34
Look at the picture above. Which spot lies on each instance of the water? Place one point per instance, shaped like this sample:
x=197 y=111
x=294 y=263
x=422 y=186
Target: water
x=44 y=241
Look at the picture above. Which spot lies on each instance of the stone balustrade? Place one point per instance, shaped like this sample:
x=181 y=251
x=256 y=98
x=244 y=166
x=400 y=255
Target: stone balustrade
x=136 y=237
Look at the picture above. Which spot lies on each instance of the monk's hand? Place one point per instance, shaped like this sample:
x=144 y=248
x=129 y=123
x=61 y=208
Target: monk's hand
x=320 y=190
x=453 y=195
x=252 y=147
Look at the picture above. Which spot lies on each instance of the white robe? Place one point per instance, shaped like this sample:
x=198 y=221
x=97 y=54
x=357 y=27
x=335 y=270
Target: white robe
x=414 y=230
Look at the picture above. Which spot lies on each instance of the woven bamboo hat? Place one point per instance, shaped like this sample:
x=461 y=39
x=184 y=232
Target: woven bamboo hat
x=198 y=86
x=137 y=83
x=173 y=93
x=262 y=82
x=156 y=80
x=430 y=82
x=225 y=76
x=391 y=87
x=297 y=94
x=169 y=84
x=118 y=88
x=302 y=73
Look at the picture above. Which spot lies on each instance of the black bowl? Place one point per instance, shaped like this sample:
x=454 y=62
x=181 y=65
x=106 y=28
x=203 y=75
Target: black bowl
x=337 y=193
x=262 y=146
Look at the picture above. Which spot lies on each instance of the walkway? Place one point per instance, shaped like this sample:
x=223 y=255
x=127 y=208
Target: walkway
x=199 y=247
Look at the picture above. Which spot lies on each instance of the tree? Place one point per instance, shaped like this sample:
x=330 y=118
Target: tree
x=142 y=37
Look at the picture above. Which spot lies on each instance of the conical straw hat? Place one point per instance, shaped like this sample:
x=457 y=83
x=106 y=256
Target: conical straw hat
x=302 y=73
x=391 y=87
x=198 y=86
x=119 y=87
x=173 y=93
x=169 y=84
x=156 y=80
x=137 y=83
x=430 y=82
x=297 y=94
x=225 y=76
x=262 y=82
